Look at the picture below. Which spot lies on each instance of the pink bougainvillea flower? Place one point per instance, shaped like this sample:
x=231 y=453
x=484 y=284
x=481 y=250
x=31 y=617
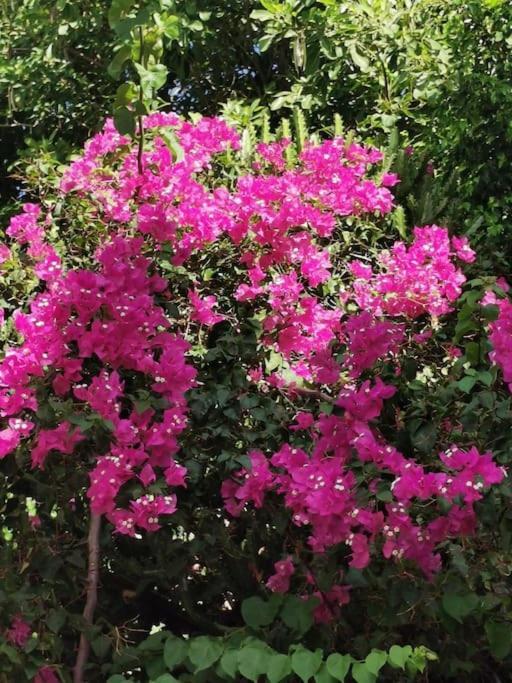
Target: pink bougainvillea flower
x=46 y=674
x=303 y=420
x=500 y=336
x=9 y=440
x=279 y=582
x=416 y=279
x=202 y=309
x=5 y=253
x=19 y=631
x=462 y=249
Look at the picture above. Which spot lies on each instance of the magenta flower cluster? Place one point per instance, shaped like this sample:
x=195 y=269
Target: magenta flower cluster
x=500 y=337
x=414 y=280
x=108 y=316
x=18 y=634
x=322 y=494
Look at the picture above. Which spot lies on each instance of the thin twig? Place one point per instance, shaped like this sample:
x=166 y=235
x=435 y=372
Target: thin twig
x=141 y=101
x=93 y=573
x=313 y=393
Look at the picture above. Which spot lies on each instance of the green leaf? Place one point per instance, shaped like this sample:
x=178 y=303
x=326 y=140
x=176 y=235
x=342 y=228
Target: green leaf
x=125 y=94
x=279 y=667
x=56 y=619
x=204 y=651
x=261 y=15
x=195 y=25
x=375 y=661
x=152 y=79
x=31 y=644
x=385 y=496
x=101 y=645
x=229 y=662
x=10 y=652
x=499 y=635
x=297 y=614
x=175 y=652
x=338 y=665
x=252 y=662
x=272 y=5
x=140 y=108
x=124 y=121
x=118 y=9
x=398 y=217
x=264 y=43
x=472 y=352
x=155 y=667
x=398 y=656
x=486 y=399
x=154 y=642
x=361 y=674
x=424 y=438
x=359 y=60
x=172 y=142
x=459 y=606
x=419 y=658
x=323 y=675
x=274 y=361
x=116 y=65
x=388 y=121
x=306 y=663
x=463 y=328
x=466 y=384
x=169 y=24
x=490 y=312
x=165 y=678
x=257 y=612
x=485 y=377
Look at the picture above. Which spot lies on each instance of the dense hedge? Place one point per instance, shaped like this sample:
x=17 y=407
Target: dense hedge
x=258 y=385
x=244 y=402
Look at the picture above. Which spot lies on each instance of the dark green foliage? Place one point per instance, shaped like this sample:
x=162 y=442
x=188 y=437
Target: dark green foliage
x=53 y=80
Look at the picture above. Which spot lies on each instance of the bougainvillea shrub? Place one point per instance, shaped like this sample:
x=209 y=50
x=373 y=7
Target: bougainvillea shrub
x=234 y=383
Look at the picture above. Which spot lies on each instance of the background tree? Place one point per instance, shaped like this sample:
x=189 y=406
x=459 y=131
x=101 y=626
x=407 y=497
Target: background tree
x=439 y=72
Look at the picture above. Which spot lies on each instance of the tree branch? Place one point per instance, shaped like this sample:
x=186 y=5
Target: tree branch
x=93 y=542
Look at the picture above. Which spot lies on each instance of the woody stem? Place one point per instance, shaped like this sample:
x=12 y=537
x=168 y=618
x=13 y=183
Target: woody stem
x=93 y=543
